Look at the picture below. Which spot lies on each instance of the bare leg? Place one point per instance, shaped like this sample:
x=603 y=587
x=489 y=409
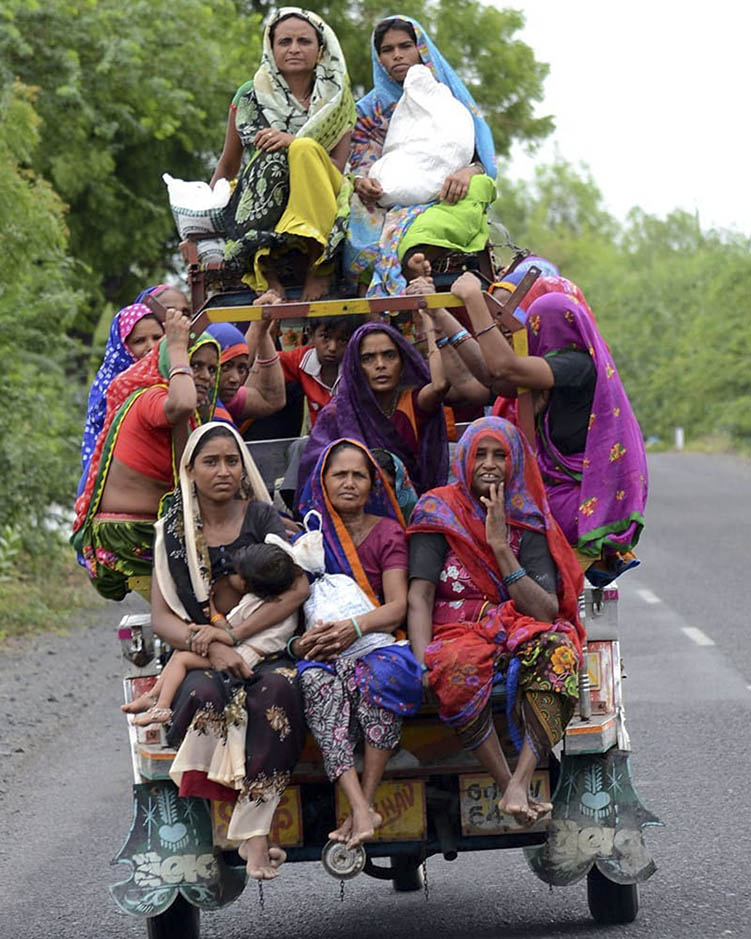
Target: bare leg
x=261 y=861
x=516 y=800
x=364 y=819
x=171 y=678
x=417 y=266
x=144 y=701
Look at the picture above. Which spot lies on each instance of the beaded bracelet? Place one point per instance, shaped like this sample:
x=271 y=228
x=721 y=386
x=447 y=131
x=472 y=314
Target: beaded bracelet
x=514 y=576
x=443 y=341
x=357 y=627
x=485 y=330
x=179 y=370
x=458 y=337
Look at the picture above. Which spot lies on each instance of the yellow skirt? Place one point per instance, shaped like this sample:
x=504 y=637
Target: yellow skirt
x=314 y=184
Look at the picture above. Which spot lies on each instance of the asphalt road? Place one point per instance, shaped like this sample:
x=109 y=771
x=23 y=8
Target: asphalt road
x=65 y=771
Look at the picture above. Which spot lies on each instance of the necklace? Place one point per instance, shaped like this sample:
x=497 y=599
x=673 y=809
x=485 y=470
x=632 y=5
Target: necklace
x=389 y=411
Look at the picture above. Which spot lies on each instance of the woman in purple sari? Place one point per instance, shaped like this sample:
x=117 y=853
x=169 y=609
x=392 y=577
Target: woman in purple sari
x=590 y=448
x=389 y=398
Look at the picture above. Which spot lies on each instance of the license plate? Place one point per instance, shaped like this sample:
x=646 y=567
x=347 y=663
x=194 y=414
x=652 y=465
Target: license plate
x=401 y=805
x=479 y=797
x=286 y=826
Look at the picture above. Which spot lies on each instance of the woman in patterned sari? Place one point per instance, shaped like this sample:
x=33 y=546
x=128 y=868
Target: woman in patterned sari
x=292 y=122
x=493 y=593
x=378 y=242
x=589 y=445
x=239 y=732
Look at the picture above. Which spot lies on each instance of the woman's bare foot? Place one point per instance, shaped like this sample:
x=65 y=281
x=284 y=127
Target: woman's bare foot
x=540 y=808
x=142 y=703
x=315 y=287
x=417 y=266
x=515 y=802
x=259 y=862
x=343 y=832
x=154 y=715
x=364 y=824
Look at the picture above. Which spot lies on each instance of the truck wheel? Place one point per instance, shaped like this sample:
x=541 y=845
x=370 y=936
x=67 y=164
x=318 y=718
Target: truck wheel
x=610 y=902
x=181 y=920
x=406 y=875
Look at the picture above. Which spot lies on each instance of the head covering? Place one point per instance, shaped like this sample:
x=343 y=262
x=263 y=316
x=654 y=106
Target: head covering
x=339 y=549
x=458 y=514
x=151 y=370
x=270 y=103
x=381 y=101
x=547 y=268
x=354 y=413
x=153 y=291
x=117 y=357
x=181 y=555
x=231 y=340
x=613 y=467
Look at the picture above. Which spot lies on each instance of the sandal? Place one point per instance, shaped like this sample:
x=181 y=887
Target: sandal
x=154 y=715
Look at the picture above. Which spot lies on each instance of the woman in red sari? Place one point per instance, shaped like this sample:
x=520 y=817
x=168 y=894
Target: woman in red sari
x=493 y=593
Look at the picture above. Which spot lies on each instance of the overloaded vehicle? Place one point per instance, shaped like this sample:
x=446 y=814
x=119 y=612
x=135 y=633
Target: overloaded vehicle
x=435 y=799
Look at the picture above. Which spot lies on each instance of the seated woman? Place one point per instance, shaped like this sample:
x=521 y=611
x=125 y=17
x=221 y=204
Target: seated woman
x=589 y=445
x=239 y=733
x=493 y=590
x=134 y=332
x=379 y=243
x=247 y=393
x=151 y=408
x=356 y=683
x=388 y=397
x=292 y=124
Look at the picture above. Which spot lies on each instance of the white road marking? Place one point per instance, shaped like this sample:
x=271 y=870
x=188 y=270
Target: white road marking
x=648 y=597
x=700 y=638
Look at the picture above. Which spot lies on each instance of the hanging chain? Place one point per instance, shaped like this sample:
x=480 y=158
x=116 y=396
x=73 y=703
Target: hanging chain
x=261 y=901
x=341 y=891
x=425 y=885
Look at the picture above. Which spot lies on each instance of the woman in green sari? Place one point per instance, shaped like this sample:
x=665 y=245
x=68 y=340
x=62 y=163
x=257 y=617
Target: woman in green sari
x=292 y=123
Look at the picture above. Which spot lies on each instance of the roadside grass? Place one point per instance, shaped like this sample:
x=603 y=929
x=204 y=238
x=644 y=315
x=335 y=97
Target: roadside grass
x=45 y=592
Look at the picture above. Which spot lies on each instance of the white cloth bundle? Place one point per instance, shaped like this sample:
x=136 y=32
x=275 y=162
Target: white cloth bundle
x=196 y=207
x=431 y=136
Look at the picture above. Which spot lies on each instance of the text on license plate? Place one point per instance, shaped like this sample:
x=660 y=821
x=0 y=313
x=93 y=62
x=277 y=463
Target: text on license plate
x=401 y=805
x=479 y=797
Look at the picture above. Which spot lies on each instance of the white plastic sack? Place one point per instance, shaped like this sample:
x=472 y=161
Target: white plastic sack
x=196 y=207
x=431 y=136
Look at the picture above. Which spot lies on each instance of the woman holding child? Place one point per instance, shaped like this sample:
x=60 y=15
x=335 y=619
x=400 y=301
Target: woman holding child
x=356 y=682
x=222 y=505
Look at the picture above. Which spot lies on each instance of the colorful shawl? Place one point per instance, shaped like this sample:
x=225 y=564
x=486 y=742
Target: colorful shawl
x=182 y=564
x=117 y=357
x=148 y=372
x=339 y=549
x=611 y=473
x=458 y=515
x=263 y=188
x=354 y=413
x=374 y=236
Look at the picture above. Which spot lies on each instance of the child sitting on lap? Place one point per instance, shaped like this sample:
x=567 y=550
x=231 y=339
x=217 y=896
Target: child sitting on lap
x=264 y=571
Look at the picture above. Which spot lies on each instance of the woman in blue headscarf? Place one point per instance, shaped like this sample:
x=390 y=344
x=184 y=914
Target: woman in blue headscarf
x=380 y=242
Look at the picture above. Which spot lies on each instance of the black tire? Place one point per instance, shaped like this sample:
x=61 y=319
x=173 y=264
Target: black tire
x=407 y=874
x=611 y=903
x=181 y=920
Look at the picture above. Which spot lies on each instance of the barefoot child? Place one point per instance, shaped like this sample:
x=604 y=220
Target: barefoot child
x=264 y=571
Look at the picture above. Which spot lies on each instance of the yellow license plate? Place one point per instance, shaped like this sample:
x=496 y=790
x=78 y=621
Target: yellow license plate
x=401 y=805
x=286 y=826
x=479 y=797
